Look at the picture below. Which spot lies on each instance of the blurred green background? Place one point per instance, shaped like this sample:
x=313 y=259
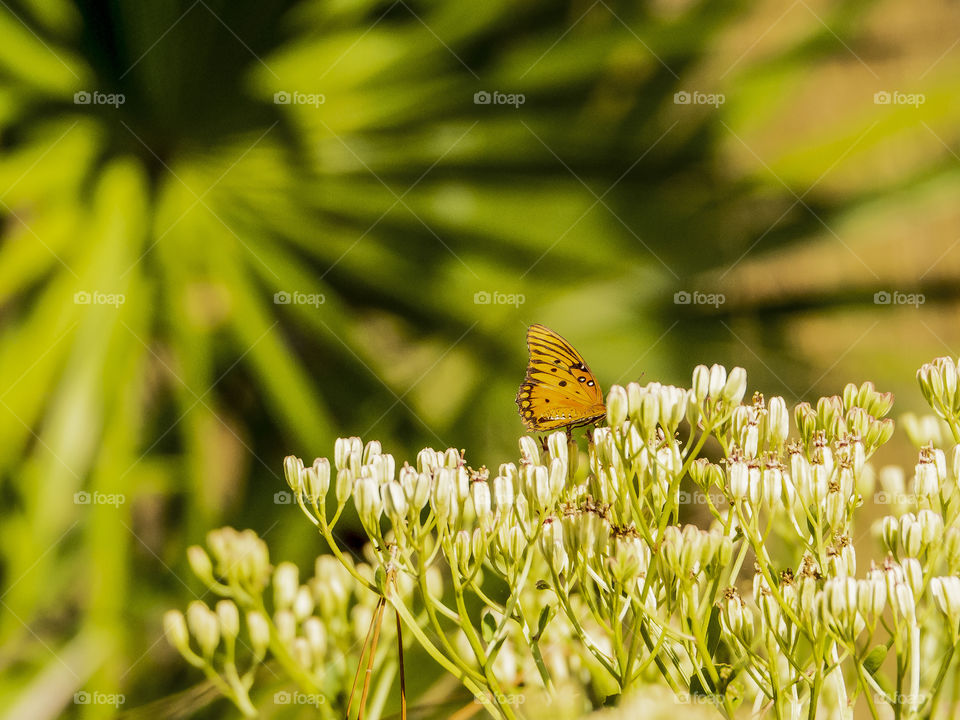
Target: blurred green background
x=233 y=231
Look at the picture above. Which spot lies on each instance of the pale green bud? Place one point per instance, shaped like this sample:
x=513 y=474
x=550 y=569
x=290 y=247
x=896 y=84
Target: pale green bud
x=913 y=575
x=204 y=626
x=286 y=582
x=529 y=450
x=293 y=472
x=778 y=422
x=394 y=504
x=428 y=460
x=452 y=458
x=946 y=591
x=503 y=495
x=480 y=492
x=286 y=624
x=175 y=627
x=301 y=652
x=673 y=405
x=229 y=618
x=315 y=634
x=317 y=480
x=718 y=380
x=931 y=525
x=442 y=499
x=701 y=383
x=344 y=487
x=739 y=479
x=200 y=564
x=259 y=631
x=303 y=603
x=461 y=552
x=372 y=450
x=617 y=406
x=366 y=497
x=557 y=446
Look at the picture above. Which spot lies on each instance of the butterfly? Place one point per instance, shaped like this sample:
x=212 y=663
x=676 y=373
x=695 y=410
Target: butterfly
x=559 y=390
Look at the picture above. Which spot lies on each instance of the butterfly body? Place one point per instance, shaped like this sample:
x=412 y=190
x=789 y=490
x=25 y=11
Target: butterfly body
x=559 y=390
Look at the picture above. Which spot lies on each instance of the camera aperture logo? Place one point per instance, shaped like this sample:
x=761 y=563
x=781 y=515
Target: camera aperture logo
x=897 y=97
x=284 y=97
x=686 y=297
x=482 y=97
x=282 y=297
x=697 y=97
x=896 y=297
x=84 y=297
x=95 y=97
x=482 y=297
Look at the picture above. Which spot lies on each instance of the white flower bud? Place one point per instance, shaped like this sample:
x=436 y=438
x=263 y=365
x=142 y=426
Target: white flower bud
x=778 y=422
x=503 y=495
x=316 y=636
x=344 y=487
x=738 y=474
x=259 y=631
x=428 y=461
x=303 y=603
x=735 y=386
x=286 y=624
x=480 y=491
x=394 y=504
x=229 y=618
x=373 y=449
x=200 y=564
x=317 y=480
x=946 y=591
x=204 y=626
x=701 y=383
x=913 y=575
x=925 y=480
x=529 y=450
x=175 y=627
x=286 y=582
x=366 y=497
x=617 y=406
x=293 y=472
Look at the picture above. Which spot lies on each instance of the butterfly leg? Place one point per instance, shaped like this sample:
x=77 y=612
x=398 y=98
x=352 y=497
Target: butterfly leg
x=543 y=442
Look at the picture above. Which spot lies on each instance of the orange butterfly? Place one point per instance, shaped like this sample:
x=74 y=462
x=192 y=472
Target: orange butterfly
x=559 y=390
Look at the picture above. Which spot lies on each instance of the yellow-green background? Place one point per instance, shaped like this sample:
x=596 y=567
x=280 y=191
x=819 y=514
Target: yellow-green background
x=398 y=199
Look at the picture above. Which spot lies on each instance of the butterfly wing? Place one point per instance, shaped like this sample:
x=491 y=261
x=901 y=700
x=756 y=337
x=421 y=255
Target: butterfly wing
x=559 y=389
